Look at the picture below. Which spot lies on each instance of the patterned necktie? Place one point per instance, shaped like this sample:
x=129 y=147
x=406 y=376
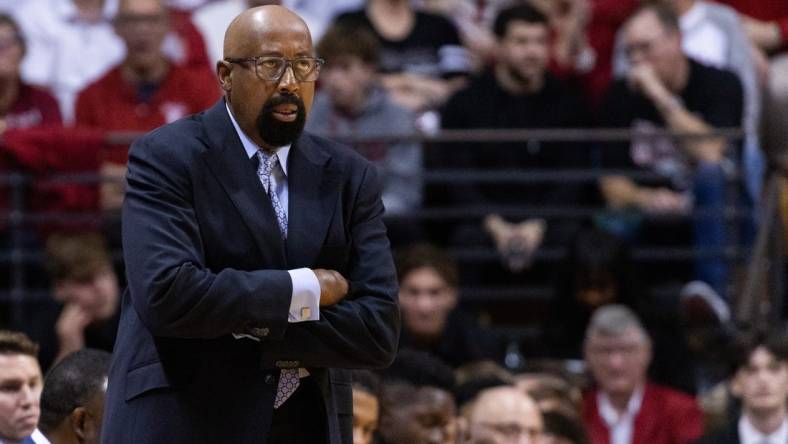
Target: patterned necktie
x=267 y=164
x=288 y=379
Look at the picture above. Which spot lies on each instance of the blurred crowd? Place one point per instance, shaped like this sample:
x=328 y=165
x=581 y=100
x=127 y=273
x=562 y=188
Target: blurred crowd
x=621 y=353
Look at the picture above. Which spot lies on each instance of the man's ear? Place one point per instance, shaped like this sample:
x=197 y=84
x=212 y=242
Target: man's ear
x=223 y=71
x=79 y=418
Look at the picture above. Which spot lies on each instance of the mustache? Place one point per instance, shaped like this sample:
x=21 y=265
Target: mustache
x=283 y=100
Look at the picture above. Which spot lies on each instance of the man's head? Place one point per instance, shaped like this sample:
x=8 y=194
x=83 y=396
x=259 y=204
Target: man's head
x=418 y=415
x=417 y=405
x=760 y=378
x=504 y=415
x=72 y=402
x=20 y=386
x=268 y=74
x=366 y=406
x=428 y=281
x=523 y=35
x=351 y=55
x=82 y=273
x=617 y=350
x=12 y=48
x=143 y=24
x=652 y=36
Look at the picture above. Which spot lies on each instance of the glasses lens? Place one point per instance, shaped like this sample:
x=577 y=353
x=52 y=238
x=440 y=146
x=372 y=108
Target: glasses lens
x=305 y=69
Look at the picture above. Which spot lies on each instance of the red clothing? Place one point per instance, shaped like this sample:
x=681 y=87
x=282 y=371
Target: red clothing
x=767 y=10
x=41 y=152
x=112 y=104
x=666 y=416
x=607 y=16
x=33 y=107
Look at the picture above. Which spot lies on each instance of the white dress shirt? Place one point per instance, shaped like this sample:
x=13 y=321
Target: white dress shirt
x=621 y=426
x=748 y=434
x=305 y=301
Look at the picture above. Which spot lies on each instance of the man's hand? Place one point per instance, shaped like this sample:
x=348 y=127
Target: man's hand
x=70 y=328
x=333 y=287
x=643 y=78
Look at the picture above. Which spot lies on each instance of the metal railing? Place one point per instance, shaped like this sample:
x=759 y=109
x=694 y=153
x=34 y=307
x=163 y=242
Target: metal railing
x=756 y=302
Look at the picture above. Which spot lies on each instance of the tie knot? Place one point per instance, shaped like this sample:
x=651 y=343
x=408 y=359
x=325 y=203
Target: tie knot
x=268 y=162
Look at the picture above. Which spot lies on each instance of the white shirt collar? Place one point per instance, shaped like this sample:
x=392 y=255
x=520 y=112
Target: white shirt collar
x=251 y=149
x=693 y=17
x=609 y=413
x=748 y=434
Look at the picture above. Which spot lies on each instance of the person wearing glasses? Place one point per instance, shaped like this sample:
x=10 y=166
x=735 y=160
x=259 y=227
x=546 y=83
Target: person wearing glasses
x=144 y=91
x=258 y=265
x=624 y=406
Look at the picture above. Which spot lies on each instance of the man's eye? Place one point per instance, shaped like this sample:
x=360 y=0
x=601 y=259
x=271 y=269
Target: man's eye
x=10 y=388
x=270 y=63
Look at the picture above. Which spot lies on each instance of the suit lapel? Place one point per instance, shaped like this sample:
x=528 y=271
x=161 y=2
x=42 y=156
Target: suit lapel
x=313 y=191
x=228 y=162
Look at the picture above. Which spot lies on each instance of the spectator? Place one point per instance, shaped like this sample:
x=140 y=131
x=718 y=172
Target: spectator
x=517 y=92
x=366 y=406
x=416 y=401
x=21 y=105
x=85 y=309
x=712 y=34
x=599 y=270
x=624 y=407
x=502 y=415
x=423 y=61
x=20 y=389
x=429 y=281
x=72 y=402
x=352 y=102
x=760 y=382
x=69 y=44
x=144 y=91
x=666 y=88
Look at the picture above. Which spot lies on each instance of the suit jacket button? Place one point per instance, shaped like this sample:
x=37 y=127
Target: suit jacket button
x=269 y=379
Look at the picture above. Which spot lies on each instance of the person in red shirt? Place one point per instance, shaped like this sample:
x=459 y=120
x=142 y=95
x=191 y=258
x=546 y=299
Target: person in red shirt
x=144 y=92
x=21 y=105
x=624 y=407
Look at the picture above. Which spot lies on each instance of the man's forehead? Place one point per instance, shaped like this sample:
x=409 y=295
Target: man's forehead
x=14 y=366
x=630 y=336
x=645 y=24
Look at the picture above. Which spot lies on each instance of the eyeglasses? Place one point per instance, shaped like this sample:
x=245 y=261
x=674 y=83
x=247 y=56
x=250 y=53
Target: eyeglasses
x=271 y=69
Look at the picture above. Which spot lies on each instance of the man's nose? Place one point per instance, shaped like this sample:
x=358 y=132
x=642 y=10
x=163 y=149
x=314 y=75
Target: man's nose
x=28 y=396
x=288 y=83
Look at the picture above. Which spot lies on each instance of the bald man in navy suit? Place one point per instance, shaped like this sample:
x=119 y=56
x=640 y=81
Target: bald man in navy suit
x=258 y=265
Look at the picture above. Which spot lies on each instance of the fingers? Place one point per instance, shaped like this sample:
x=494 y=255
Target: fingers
x=333 y=286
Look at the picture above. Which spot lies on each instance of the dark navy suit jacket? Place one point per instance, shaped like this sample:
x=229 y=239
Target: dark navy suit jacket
x=204 y=259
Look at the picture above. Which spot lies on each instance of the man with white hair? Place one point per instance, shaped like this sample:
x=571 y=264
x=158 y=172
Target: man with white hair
x=624 y=407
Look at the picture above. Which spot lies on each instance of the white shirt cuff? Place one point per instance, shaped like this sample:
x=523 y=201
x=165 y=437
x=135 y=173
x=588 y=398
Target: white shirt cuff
x=305 y=302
